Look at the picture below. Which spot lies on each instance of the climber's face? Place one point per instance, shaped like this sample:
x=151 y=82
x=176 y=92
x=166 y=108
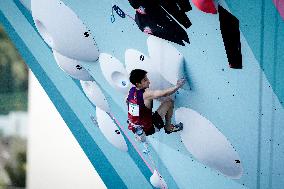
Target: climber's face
x=145 y=82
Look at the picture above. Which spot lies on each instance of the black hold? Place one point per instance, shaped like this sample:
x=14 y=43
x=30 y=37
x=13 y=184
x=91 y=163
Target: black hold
x=117 y=132
x=223 y=69
x=233 y=95
x=218 y=98
x=177 y=92
x=237 y=161
x=79 y=67
x=141 y=57
x=86 y=34
x=228 y=82
x=122 y=31
x=229 y=26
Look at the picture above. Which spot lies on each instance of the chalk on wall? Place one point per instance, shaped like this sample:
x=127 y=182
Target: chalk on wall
x=229 y=26
x=63 y=31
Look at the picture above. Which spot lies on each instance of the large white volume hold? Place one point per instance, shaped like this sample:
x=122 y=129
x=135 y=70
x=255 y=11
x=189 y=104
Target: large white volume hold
x=137 y=60
x=72 y=67
x=95 y=95
x=207 y=144
x=157 y=181
x=114 y=72
x=63 y=31
x=110 y=130
x=168 y=59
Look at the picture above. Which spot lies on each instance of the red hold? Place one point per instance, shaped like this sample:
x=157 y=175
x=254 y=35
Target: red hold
x=207 y=6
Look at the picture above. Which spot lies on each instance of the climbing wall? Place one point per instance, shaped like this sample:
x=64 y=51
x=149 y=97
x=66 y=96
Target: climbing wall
x=231 y=105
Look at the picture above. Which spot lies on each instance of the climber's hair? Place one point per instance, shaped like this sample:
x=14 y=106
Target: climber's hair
x=137 y=75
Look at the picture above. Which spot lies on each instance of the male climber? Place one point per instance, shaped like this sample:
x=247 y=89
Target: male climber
x=140 y=103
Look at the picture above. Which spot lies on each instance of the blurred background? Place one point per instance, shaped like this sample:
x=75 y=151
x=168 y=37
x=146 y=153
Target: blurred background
x=13 y=115
x=37 y=149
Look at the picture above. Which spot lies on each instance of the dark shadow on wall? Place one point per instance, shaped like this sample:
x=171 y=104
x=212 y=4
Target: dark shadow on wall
x=155 y=17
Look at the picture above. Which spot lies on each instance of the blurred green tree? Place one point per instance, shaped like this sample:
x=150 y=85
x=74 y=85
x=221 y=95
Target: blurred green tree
x=13 y=77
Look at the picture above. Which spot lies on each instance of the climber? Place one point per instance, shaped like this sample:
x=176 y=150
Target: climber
x=140 y=102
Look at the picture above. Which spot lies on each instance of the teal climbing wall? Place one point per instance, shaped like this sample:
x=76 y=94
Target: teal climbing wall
x=245 y=105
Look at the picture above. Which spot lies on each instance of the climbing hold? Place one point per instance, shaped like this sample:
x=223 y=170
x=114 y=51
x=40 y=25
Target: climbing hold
x=110 y=130
x=229 y=26
x=207 y=6
x=62 y=30
x=72 y=67
x=114 y=72
x=216 y=151
x=95 y=95
x=157 y=180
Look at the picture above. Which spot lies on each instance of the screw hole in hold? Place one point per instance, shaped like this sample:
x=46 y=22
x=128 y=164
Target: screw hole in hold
x=237 y=161
x=141 y=57
x=123 y=83
x=79 y=67
x=117 y=132
x=223 y=69
x=86 y=34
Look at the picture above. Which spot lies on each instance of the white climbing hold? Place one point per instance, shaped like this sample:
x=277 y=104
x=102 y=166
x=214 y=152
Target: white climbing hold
x=157 y=180
x=207 y=144
x=95 y=95
x=137 y=60
x=114 y=72
x=169 y=60
x=72 y=67
x=63 y=31
x=110 y=130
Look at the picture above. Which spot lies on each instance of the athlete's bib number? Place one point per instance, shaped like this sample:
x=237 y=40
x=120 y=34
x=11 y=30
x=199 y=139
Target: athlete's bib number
x=133 y=109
